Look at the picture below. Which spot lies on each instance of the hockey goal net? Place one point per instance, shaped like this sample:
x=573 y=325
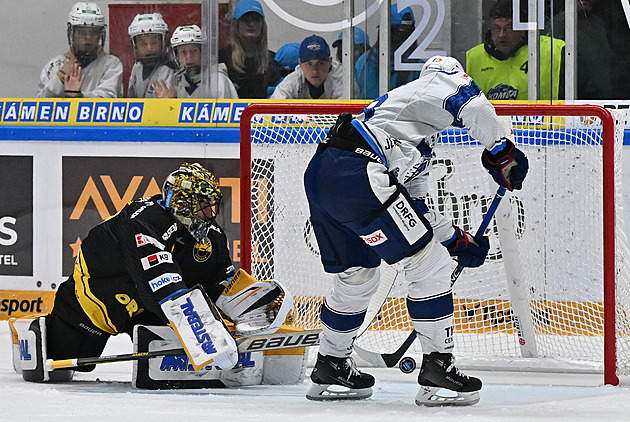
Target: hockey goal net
x=555 y=286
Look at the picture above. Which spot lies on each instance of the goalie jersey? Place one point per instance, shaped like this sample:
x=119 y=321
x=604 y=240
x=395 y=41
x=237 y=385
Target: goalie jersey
x=130 y=262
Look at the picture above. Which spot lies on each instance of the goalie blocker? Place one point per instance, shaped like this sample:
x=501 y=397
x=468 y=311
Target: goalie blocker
x=200 y=329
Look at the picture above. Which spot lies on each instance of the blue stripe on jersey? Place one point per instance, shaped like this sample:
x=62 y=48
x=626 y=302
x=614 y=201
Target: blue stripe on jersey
x=454 y=103
x=369 y=138
x=341 y=322
x=430 y=308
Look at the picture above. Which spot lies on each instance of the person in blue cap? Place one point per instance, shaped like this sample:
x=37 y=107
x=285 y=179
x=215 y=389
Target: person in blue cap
x=366 y=71
x=249 y=61
x=286 y=60
x=361 y=44
x=317 y=76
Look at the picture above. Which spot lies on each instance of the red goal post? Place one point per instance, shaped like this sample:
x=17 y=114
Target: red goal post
x=556 y=319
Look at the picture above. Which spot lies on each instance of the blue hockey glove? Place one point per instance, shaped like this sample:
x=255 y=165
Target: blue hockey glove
x=468 y=252
x=508 y=166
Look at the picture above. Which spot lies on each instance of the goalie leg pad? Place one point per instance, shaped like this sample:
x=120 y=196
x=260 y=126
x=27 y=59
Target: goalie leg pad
x=33 y=355
x=15 y=344
x=176 y=372
x=255 y=306
x=285 y=366
x=200 y=329
x=33 y=351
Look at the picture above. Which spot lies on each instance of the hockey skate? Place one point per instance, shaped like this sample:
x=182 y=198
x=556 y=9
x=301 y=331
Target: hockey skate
x=438 y=372
x=338 y=379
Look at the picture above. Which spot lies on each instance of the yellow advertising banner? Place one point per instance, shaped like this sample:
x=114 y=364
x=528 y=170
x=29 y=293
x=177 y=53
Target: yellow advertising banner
x=24 y=303
x=125 y=112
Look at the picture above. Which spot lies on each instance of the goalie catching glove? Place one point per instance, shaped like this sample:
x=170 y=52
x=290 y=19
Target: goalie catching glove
x=255 y=306
x=506 y=164
x=468 y=252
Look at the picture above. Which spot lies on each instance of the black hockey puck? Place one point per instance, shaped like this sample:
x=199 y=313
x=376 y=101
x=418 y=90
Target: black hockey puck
x=407 y=365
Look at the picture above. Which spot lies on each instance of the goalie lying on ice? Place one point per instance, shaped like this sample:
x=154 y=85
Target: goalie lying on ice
x=151 y=264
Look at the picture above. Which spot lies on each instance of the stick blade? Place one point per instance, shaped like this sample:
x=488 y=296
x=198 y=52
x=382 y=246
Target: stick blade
x=373 y=358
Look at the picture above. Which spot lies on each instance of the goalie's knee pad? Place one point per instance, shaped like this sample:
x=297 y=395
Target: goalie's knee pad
x=33 y=354
x=255 y=306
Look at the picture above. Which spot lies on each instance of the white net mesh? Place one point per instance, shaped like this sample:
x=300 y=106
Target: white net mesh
x=547 y=240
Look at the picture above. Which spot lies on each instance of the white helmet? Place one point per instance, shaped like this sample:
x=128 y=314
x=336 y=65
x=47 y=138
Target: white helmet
x=189 y=34
x=149 y=23
x=441 y=64
x=85 y=15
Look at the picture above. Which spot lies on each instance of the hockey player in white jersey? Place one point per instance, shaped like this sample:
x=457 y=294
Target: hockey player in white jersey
x=366 y=186
x=85 y=70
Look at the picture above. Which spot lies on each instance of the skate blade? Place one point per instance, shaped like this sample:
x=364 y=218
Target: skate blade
x=436 y=396
x=324 y=392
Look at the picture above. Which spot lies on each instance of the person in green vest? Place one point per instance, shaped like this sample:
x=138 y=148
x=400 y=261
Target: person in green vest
x=499 y=65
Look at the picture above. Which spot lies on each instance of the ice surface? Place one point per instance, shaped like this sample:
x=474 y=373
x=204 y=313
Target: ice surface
x=106 y=394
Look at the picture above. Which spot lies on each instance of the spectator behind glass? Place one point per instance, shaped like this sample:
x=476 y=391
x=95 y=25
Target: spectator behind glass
x=148 y=34
x=285 y=60
x=594 y=55
x=86 y=70
x=186 y=82
x=366 y=69
x=499 y=65
x=361 y=44
x=317 y=76
x=249 y=62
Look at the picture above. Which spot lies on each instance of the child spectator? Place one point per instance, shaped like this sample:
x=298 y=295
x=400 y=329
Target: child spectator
x=86 y=70
x=148 y=36
x=186 y=83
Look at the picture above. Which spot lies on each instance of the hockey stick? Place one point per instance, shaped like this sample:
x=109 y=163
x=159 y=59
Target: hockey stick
x=388 y=360
x=482 y=228
x=286 y=340
x=386 y=282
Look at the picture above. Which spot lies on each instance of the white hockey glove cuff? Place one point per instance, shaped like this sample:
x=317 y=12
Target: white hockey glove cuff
x=255 y=307
x=200 y=329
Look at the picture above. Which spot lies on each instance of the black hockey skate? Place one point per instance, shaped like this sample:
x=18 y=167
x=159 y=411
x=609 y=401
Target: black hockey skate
x=438 y=372
x=338 y=379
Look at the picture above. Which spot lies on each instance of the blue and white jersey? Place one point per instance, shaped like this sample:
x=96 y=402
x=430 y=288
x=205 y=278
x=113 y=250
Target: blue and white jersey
x=411 y=117
x=404 y=125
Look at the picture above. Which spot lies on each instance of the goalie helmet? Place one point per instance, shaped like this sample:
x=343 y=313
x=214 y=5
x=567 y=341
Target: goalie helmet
x=441 y=64
x=86 y=31
x=191 y=193
x=148 y=24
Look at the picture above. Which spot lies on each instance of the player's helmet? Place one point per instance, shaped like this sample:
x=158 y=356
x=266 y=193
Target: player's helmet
x=189 y=34
x=86 y=15
x=148 y=23
x=441 y=64
x=185 y=191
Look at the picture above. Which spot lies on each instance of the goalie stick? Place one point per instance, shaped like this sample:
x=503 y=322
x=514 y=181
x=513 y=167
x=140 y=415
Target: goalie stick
x=286 y=340
x=388 y=360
